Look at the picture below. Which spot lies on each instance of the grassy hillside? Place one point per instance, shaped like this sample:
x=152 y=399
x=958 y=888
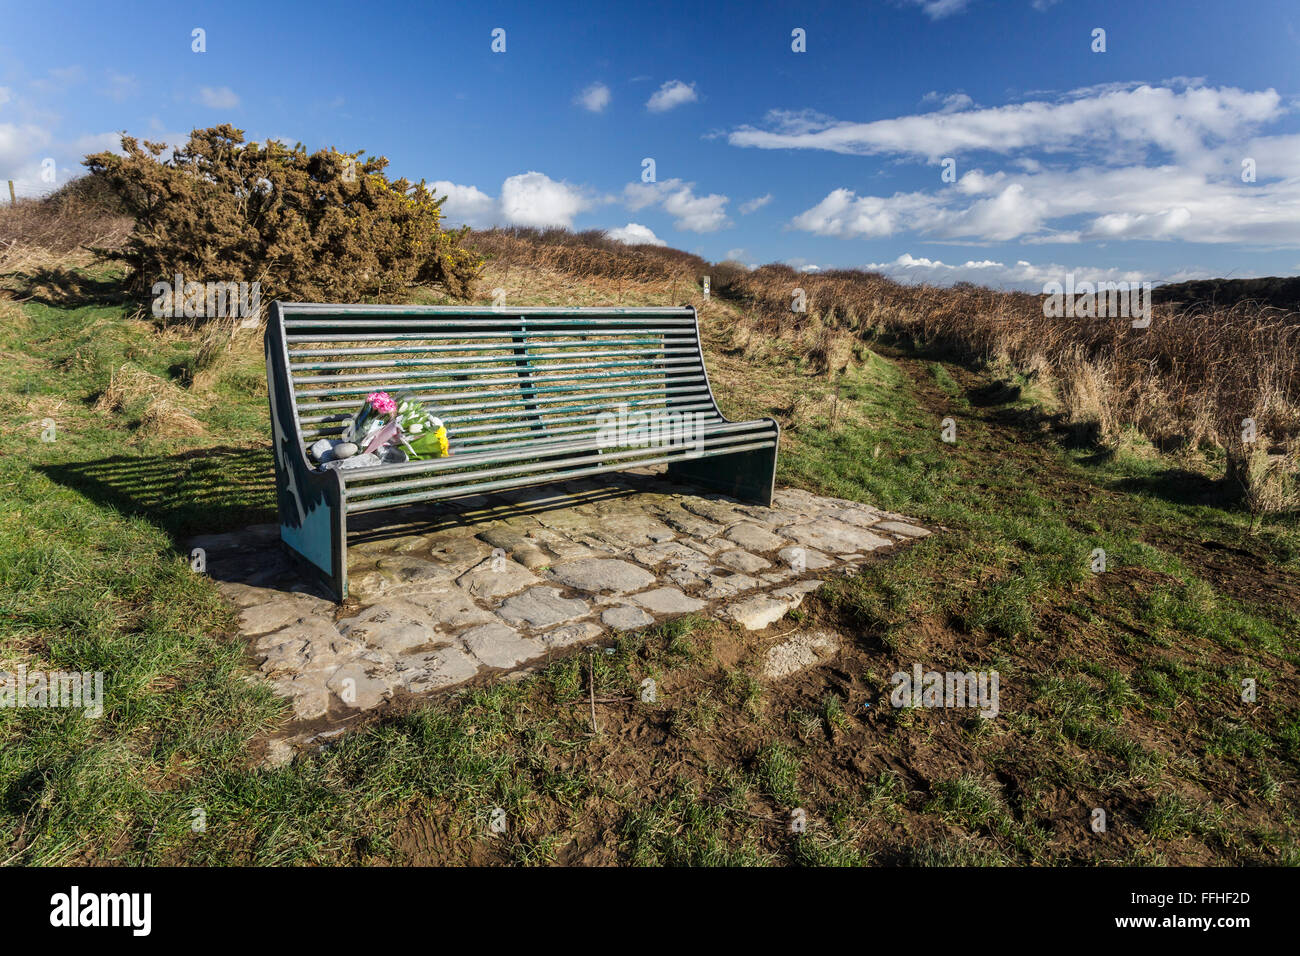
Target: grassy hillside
x=1120 y=690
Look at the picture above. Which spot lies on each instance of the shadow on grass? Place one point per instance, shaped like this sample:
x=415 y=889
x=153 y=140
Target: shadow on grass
x=994 y=394
x=936 y=350
x=217 y=490
x=197 y=492
x=1183 y=487
x=67 y=288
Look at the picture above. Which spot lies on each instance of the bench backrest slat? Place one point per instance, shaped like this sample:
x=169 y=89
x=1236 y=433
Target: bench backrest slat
x=497 y=378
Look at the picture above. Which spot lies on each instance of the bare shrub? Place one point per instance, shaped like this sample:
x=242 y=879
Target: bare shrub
x=725 y=277
x=1186 y=378
x=829 y=352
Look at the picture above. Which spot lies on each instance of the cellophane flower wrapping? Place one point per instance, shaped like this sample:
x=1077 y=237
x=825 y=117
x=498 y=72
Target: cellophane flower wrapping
x=424 y=434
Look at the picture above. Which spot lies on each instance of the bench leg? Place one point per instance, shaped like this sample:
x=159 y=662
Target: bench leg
x=746 y=475
x=316 y=536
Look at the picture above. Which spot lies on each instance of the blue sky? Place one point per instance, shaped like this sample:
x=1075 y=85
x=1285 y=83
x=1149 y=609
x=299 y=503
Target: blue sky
x=1118 y=164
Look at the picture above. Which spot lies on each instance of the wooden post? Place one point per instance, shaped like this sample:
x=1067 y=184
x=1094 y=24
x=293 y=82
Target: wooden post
x=11 y=192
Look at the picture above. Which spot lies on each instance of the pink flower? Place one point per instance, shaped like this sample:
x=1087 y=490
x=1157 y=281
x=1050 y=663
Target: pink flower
x=381 y=403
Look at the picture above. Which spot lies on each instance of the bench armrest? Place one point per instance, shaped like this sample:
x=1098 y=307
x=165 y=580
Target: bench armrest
x=312 y=517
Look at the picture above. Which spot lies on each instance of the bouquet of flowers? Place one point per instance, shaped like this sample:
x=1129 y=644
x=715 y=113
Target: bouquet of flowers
x=385 y=430
x=424 y=435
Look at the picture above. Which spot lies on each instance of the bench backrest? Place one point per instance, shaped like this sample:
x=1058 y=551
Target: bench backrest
x=498 y=378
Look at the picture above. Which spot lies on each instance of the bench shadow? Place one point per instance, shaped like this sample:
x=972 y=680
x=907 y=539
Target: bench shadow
x=253 y=556
x=993 y=394
x=228 y=493
x=194 y=492
x=472 y=510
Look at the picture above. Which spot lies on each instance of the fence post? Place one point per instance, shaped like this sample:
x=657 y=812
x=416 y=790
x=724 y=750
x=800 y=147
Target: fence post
x=11 y=192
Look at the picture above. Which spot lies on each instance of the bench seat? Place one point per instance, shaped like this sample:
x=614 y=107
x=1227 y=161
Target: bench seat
x=528 y=396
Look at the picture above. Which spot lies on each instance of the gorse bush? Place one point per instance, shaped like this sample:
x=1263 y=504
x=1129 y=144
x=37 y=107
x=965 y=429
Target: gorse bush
x=323 y=226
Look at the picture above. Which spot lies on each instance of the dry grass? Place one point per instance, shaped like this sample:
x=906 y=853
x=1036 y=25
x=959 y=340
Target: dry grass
x=1189 y=378
x=1087 y=394
x=163 y=415
x=221 y=346
x=164 y=419
x=130 y=384
x=524 y=284
x=1266 y=478
x=62 y=229
x=11 y=315
x=587 y=255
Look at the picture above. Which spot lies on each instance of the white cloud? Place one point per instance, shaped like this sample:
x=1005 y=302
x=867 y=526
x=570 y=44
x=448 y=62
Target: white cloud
x=528 y=199
x=59 y=79
x=754 y=205
x=1021 y=275
x=1073 y=206
x=103 y=143
x=697 y=213
x=20 y=145
x=218 y=98
x=5 y=95
x=846 y=215
x=594 y=98
x=949 y=102
x=1013 y=212
x=534 y=199
x=635 y=234
x=466 y=205
x=671 y=94
x=1169 y=168
x=690 y=212
x=938 y=9
x=1106 y=123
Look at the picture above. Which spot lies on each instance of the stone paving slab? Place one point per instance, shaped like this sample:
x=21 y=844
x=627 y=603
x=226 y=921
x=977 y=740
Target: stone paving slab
x=444 y=593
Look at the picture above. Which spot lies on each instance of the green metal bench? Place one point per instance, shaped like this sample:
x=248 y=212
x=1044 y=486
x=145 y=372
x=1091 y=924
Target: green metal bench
x=528 y=396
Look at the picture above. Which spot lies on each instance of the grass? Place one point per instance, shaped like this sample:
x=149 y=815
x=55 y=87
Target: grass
x=1120 y=689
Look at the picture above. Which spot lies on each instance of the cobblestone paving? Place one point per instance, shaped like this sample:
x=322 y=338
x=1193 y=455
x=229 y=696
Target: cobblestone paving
x=501 y=582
